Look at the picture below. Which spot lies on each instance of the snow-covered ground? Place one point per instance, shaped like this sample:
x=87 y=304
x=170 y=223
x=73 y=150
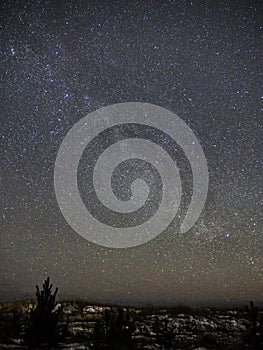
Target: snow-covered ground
x=206 y=329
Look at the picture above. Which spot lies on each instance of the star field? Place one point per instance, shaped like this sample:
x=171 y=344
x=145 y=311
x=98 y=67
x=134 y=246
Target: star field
x=201 y=60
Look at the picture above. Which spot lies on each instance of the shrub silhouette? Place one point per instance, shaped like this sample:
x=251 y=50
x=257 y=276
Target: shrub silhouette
x=43 y=324
x=115 y=331
x=17 y=324
x=255 y=334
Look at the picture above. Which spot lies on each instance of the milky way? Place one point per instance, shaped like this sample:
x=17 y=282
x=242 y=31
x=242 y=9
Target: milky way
x=61 y=61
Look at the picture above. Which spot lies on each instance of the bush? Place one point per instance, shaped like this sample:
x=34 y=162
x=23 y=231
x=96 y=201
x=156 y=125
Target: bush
x=255 y=333
x=115 y=331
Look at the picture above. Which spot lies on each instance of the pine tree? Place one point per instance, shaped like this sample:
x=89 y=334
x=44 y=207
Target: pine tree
x=43 y=327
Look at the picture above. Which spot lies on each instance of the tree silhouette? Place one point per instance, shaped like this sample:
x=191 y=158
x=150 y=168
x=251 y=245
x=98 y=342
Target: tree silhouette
x=43 y=327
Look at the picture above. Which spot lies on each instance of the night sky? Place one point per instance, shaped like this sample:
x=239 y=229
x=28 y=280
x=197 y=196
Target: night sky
x=202 y=61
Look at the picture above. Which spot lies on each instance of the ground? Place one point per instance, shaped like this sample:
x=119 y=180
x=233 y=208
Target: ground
x=104 y=327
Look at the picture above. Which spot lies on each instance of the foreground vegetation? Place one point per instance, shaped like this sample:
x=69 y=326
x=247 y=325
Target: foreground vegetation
x=47 y=323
